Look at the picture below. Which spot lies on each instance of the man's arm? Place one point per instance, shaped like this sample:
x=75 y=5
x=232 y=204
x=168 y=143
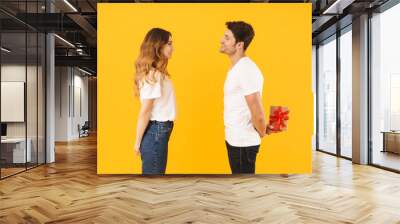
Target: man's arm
x=257 y=112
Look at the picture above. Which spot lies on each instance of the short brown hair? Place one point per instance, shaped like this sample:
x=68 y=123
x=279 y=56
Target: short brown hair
x=243 y=32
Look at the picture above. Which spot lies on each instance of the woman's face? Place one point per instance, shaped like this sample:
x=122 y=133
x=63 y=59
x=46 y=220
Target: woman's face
x=168 y=48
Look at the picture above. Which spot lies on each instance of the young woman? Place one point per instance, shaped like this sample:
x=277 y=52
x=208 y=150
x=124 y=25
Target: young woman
x=158 y=107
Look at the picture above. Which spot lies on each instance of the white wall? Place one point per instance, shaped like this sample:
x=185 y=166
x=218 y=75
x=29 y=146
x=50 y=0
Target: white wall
x=62 y=81
x=71 y=87
x=80 y=83
x=12 y=73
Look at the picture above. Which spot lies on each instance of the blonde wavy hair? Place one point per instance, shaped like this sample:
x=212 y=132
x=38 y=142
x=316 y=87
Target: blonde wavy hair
x=151 y=60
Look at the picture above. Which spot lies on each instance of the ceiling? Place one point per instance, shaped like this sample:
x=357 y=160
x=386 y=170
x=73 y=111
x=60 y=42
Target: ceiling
x=76 y=22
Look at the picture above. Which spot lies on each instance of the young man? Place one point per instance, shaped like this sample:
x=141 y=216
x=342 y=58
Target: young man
x=244 y=119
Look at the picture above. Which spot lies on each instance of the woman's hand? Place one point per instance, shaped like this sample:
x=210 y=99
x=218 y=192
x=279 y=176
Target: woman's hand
x=137 y=148
x=143 y=121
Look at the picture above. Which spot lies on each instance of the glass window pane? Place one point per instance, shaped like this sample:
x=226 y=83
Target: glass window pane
x=32 y=95
x=327 y=96
x=14 y=153
x=23 y=90
x=41 y=98
x=385 y=88
x=346 y=94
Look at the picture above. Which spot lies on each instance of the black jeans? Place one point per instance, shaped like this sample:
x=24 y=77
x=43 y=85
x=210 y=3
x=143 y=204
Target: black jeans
x=242 y=159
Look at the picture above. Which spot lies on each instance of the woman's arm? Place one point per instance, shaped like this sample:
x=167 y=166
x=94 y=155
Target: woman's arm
x=143 y=121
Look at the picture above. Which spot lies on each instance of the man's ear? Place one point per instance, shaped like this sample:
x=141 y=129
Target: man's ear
x=240 y=45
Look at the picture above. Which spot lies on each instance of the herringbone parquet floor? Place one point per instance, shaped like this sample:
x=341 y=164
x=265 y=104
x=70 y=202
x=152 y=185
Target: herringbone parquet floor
x=69 y=191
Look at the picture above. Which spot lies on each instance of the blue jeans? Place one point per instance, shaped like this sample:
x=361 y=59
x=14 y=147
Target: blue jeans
x=154 y=147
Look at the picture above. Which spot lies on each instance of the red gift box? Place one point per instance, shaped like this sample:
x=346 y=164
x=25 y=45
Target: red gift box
x=278 y=118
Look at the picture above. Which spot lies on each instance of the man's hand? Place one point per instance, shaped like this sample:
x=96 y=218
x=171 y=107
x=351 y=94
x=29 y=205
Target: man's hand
x=269 y=130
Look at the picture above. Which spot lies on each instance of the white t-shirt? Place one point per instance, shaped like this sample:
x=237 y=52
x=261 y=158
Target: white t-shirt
x=243 y=79
x=164 y=107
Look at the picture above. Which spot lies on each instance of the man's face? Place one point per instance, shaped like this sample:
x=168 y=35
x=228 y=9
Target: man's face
x=228 y=43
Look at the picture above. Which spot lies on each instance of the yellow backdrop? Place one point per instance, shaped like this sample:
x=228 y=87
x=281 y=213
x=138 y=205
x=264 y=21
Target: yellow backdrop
x=281 y=48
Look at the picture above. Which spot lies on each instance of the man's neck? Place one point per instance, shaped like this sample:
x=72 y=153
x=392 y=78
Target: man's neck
x=235 y=58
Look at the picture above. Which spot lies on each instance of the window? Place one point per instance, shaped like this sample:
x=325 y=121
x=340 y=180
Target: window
x=22 y=77
x=346 y=93
x=385 y=88
x=327 y=95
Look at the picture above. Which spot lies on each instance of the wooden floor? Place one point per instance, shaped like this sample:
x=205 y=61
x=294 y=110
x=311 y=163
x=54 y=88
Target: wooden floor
x=69 y=191
x=9 y=171
x=5 y=172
